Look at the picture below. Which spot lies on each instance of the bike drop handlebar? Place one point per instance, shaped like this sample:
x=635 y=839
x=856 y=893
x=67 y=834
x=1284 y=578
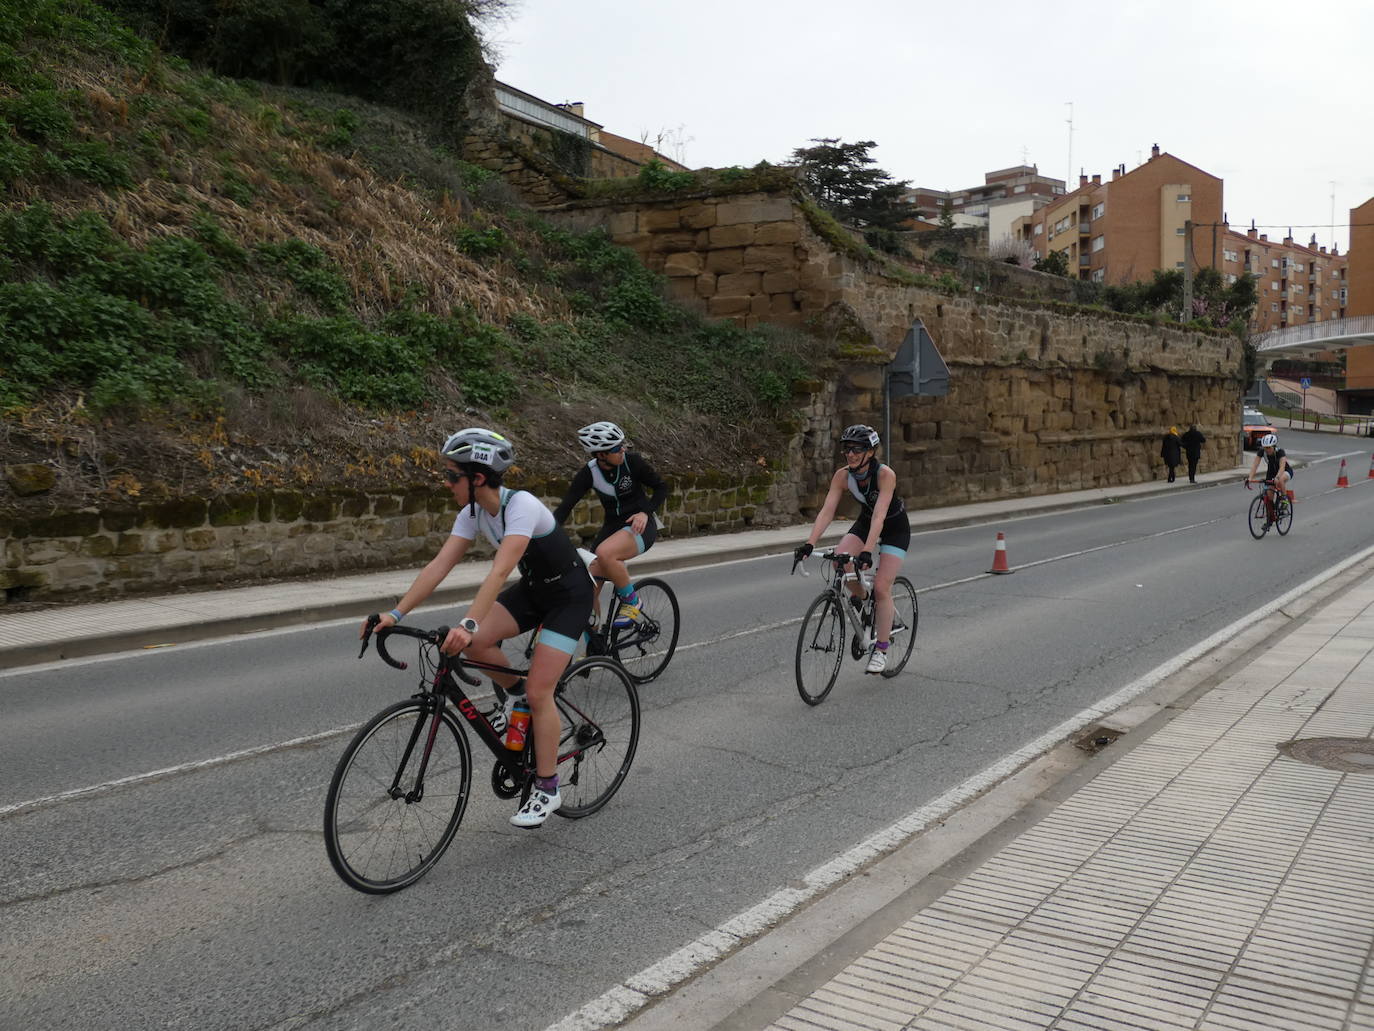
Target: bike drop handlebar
x=433 y=638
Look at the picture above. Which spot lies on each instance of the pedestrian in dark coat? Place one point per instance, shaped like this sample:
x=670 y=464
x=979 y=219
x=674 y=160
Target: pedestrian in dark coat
x=1192 y=447
x=1171 y=450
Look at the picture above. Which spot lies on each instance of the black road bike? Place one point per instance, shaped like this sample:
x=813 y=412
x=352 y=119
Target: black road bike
x=401 y=786
x=838 y=622
x=1271 y=508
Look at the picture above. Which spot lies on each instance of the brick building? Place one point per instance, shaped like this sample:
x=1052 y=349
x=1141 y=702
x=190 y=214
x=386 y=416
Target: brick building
x=1003 y=197
x=1359 y=367
x=1296 y=283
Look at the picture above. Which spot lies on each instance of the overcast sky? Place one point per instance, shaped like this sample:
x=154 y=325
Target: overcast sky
x=1275 y=97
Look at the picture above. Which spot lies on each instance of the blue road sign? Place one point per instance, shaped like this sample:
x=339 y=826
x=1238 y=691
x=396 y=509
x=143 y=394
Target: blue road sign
x=1305 y=382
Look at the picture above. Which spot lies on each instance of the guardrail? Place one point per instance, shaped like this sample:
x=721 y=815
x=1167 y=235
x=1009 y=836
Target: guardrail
x=1358 y=425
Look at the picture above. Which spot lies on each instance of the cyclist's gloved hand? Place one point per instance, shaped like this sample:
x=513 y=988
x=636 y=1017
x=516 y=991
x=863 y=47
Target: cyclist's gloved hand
x=865 y=560
x=803 y=550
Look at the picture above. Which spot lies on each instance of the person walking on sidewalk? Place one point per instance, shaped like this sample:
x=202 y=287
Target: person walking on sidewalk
x=883 y=526
x=554 y=592
x=631 y=521
x=1170 y=451
x=1192 y=447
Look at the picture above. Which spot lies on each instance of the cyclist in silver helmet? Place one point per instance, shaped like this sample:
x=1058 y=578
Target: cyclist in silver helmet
x=554 y=592
x=631 y=524
x=882 y=529
x=1278 y=468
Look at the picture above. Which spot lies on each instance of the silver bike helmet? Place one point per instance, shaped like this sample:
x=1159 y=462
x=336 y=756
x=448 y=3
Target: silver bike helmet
x=600 y=436
x=1269 y=440
x=478 y=446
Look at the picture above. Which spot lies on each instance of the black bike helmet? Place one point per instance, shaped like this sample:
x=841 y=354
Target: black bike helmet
x=860 y=434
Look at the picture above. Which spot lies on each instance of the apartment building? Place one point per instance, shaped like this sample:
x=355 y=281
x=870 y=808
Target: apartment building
x=1296 y=283
x=1359 y=361
x=1121 y=230
x=1004 y=196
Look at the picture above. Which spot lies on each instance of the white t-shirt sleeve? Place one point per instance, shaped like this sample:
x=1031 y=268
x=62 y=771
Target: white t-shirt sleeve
x=465 y=526
x=527 y=516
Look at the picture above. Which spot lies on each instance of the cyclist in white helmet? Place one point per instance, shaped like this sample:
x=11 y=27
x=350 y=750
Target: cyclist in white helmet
x=554 y=592
x=883 y=527
x=1278 y=469
x=631 y=521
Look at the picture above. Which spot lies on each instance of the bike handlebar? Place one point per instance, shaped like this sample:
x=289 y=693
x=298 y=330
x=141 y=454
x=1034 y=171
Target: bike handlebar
x=434 y=638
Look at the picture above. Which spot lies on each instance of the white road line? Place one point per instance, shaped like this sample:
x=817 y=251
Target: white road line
x=171 y=771
x=660 y=978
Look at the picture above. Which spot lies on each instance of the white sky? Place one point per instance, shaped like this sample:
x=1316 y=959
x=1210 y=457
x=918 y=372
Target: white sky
x=1274 y=96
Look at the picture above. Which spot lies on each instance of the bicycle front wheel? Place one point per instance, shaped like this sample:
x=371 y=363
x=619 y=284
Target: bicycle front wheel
x=599 y=710
x=385 y=822
x=820 y=649
x=1259 y=518
x=1283 y=517
x=645 y=648
x=905 y=617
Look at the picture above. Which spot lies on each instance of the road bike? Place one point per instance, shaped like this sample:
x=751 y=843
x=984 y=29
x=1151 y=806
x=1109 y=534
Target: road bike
x=644 y=647
x=839 y=622
x=1271 y=508
x=401 y=786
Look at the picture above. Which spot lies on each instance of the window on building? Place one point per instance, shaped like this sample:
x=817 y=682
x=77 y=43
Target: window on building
x=1098 y=209
x=1297 y=309
x=1230 y=278
x=1184 y=198
x=1039 y=228
x=1178 y=264
x=1273 y=284
x=1298 y=267
x=1018 y=189
x=1274 y=306
x=1274 y=263
x=1178 y=231
x=1099 y=242
x=1099 y=274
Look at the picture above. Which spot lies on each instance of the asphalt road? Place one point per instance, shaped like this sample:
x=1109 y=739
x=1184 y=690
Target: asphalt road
x=202 y=898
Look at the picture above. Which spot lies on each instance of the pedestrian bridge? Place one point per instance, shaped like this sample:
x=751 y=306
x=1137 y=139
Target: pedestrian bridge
x=1314 y=337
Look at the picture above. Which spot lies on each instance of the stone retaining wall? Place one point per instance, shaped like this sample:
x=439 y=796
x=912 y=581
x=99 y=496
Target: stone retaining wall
x=198 y=542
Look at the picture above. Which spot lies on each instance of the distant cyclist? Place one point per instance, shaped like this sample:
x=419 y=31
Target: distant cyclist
x=554 y=591
x=1279 y=469
x=882 y=527
x=619 y=478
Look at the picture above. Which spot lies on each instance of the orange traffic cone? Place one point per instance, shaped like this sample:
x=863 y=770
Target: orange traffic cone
x=999 y=556
x=1341 y=481
x=1371 y=467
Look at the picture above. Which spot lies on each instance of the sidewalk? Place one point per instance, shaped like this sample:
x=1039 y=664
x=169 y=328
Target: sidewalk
x=1218 y=875
x=71 y=631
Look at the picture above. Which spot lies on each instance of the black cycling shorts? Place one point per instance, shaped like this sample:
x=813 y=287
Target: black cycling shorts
x=643 y=541
x=895 y=538
x=563 y=609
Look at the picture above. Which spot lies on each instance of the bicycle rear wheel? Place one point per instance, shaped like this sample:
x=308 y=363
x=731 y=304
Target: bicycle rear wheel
x=820 y=649
x=1259 y=518
x=599 y=709
x=905 y=617
x=383 y=829
x=1283 y=516
x=646 y=648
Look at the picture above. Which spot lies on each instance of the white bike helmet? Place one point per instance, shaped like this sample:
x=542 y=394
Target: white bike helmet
x=478 y=446
x=1269 y=440
x=600 y=436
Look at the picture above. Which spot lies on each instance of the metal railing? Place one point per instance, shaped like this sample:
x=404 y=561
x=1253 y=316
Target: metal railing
x=1332 y=329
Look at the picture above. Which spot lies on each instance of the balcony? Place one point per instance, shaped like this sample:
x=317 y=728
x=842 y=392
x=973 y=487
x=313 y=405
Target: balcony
x=1084 y=228
x=1084 y=260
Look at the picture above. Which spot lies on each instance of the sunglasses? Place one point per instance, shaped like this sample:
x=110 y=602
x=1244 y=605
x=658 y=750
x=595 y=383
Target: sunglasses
x=613 y=450
x=452 y=475
x=853 y=449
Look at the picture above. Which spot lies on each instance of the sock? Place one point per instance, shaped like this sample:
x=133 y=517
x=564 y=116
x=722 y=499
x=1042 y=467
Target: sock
x=882 y=645
x=548 y=785
x=627 y=594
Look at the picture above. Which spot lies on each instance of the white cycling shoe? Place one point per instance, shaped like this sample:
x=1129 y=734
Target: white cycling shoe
x=877 y=662
x=537 y=808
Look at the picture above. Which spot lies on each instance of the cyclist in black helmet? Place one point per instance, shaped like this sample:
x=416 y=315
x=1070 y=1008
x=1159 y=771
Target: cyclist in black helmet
x=554 y=592
x=882 y=528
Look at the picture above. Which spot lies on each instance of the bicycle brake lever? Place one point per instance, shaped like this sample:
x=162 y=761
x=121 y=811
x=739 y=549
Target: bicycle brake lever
x=372 y=621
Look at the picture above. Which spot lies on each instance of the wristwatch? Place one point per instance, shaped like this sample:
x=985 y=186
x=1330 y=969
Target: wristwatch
x=469 y=624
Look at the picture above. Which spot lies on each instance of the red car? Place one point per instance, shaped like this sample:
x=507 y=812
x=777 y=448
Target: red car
x=1253 y=425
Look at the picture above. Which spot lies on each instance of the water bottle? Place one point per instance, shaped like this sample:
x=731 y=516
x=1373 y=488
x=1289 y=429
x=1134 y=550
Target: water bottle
x=519 y=727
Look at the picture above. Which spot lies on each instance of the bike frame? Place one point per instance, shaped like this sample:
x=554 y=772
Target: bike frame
x=836 y=588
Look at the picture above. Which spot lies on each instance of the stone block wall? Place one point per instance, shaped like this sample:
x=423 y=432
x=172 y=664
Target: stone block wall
x=198 y=542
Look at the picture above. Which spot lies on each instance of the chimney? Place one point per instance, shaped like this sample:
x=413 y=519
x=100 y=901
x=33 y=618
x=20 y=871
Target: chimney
x=1264 y=237
x=1116 y=174
x=1323 y=248
x=1082 y=180
x=573 y=107
x=1288 y=240
x=1314 y=241
x=1097 y=180
x=1154 y=151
